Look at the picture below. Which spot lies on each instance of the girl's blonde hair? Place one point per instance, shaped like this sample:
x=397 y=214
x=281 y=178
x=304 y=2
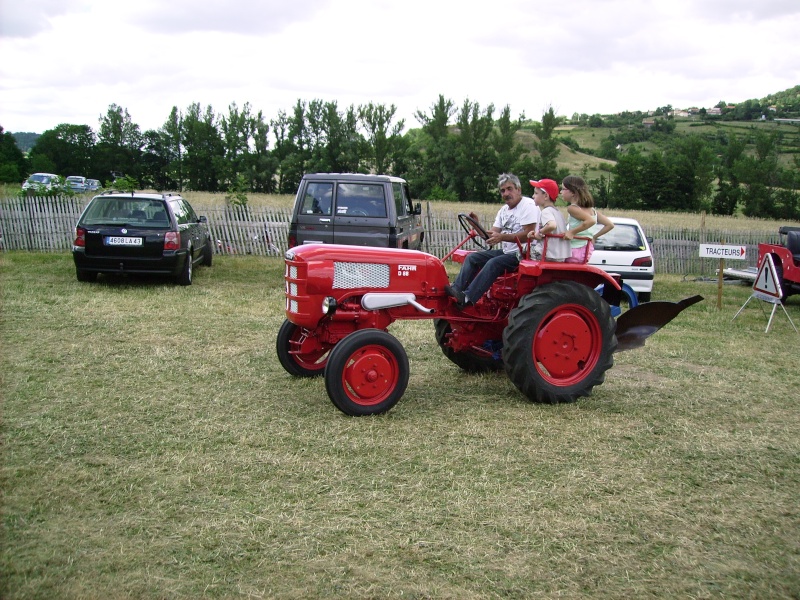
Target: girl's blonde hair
x=578 y=186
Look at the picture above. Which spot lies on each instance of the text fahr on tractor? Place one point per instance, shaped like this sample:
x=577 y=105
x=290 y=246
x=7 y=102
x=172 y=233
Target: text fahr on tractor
x=544 y=323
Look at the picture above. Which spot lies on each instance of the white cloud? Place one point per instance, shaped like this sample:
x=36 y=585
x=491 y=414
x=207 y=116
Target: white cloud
x=66 y=61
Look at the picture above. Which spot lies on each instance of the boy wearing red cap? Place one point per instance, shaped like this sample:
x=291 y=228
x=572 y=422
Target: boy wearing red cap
x=551 y=221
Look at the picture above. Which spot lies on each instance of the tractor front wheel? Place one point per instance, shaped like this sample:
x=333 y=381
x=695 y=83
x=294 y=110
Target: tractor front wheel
x=296 y=352
x=559 y=342
x=367 y=373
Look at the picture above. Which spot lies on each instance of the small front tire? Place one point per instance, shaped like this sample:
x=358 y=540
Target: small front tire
x=367 y=373
x=311 y=363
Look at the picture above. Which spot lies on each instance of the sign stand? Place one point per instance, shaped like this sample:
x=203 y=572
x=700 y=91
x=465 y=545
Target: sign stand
x=721 y=251
x=767 y=287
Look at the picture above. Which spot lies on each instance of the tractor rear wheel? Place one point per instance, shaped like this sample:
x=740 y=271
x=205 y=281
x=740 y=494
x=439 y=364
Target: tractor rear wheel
x=559 y=342
x=468 y=361
x=367 y=373
x=309 y=364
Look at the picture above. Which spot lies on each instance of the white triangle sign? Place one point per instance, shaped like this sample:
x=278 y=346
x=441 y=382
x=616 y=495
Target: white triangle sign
x=767 y=282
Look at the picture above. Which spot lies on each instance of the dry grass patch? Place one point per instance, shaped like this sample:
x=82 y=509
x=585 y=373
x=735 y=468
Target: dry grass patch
x=154 y=447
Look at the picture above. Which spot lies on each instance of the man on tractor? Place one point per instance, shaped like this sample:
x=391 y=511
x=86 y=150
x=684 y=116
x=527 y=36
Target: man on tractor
x=515 y=219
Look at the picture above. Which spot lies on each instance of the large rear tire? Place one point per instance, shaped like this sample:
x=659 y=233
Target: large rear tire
x=367 y=373
x=559 y=342
x=468 y=361
x=309 y=364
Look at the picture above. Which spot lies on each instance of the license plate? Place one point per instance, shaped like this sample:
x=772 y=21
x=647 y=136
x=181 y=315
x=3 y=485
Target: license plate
x=123 y=241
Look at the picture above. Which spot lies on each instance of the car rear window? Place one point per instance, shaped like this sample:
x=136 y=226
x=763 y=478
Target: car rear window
x=622 y=238
x=360 y=200
x=130 y=211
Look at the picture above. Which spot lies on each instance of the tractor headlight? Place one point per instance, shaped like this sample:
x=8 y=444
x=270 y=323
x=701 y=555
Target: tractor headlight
x=328 y=305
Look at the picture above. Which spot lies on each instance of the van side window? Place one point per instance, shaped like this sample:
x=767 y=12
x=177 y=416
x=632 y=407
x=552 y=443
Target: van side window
x=400 y=203
x=318 y=199
x=361 y=200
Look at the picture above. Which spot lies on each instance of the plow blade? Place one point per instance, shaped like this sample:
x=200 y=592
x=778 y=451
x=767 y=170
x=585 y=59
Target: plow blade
x=639 y=323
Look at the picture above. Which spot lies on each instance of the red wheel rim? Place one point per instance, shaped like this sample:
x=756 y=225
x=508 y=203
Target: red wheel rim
x=312 y=359
x=370 y=375
x=567 y=345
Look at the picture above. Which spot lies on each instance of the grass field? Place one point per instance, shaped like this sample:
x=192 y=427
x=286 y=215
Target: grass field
x=153 y=447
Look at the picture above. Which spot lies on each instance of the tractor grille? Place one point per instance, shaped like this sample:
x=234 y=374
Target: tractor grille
x=348 y=275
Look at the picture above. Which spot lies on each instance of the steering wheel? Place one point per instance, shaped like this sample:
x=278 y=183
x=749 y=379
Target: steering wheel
x=469 y=225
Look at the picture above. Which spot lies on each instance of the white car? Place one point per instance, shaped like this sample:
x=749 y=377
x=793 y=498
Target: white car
x=77 y=183
x=626 y=250
x=45 y=180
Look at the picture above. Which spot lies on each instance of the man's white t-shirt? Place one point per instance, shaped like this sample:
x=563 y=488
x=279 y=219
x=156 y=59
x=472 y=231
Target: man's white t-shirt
x=512 y=220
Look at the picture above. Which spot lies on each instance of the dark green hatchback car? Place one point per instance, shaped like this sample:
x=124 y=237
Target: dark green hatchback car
x=130 y=232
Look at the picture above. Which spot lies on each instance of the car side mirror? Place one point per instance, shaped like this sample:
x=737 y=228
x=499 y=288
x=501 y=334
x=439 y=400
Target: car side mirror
x=202 y=219
x=418 y=208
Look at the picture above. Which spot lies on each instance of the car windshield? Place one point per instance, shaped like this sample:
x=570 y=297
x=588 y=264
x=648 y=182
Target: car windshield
x=39 y=179
x=623 y=237
x=127 y=211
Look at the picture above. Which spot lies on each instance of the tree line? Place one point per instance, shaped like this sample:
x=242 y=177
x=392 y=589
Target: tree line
x=455 y=154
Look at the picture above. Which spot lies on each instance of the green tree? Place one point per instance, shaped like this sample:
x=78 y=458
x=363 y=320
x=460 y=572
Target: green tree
x=383 y=137
x=627 y=186
x=65 y=150
x=436 y=149
x=729 y=192
x=691 y=164
x=511 y=155
x=203 y=149
x=171 y=144
x=155 y=162
x=760 y=176
x=120 y=143
x=476 y=166
x=656 y=184
x=261 y=165
x=547 y=146
x=13 y=164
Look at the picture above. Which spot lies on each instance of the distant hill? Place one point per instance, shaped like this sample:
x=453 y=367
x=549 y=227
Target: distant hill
x=26 y=140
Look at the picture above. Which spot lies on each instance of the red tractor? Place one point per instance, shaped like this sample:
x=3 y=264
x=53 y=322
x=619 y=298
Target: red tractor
x=544 y=323
x=786 y=258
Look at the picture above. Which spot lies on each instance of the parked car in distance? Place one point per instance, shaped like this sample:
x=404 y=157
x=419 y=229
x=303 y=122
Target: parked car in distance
x=77 y=183
x=626 y=250
x=130 y=232
x=43 y=180
x=355 y=209
x=92 y=185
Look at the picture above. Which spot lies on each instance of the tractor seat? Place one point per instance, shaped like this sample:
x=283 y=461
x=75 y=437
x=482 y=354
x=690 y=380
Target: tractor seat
x=793 y=245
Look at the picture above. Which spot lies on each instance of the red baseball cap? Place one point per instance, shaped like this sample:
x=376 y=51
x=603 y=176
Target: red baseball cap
x=549 y=186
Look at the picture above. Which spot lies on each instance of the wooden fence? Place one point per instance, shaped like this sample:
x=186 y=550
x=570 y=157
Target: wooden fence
x=47 y=224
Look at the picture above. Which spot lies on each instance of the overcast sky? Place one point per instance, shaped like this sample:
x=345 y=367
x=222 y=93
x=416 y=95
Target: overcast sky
x=66 y=61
